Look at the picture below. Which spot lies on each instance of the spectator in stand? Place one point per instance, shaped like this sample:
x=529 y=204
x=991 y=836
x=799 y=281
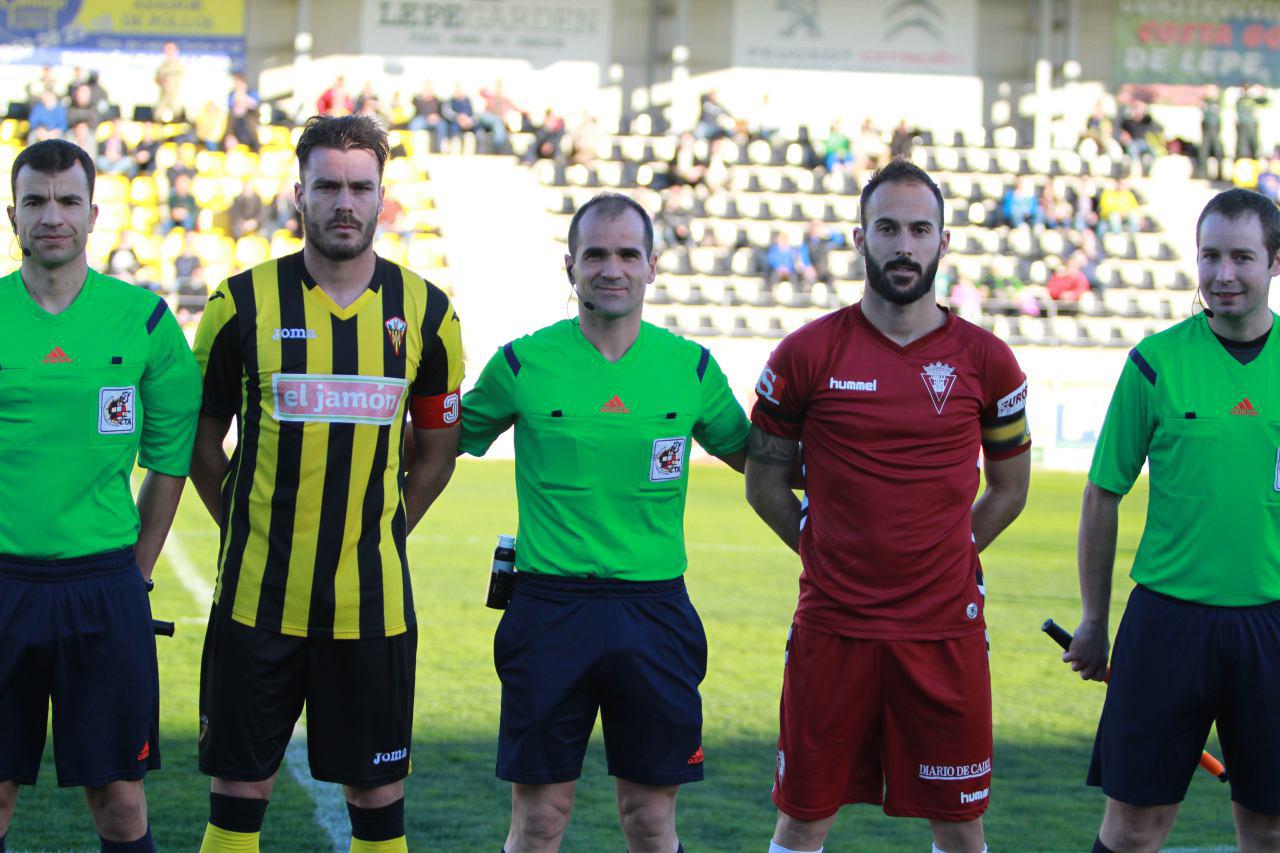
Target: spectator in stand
x=371 y=107
x=788 y=263
x=1141 y=136
x=685 y=168
x=1068 y=282
x=82 y=109
x=181 y=210
x=46 y=82
x=336 y=100
x=717 y=176
x=1054 y=205
x=1247 y=145
x=428 y=116
x=838 y=149
x=546 y=138
x=819 y=241
x=1021 y=204
x=169 y=80
x=869 y=150
x=585 y=141
x=460 y=114
x=392 y=219
x=902 y=142
x=1098 y=130
x=82 y=134
x=247 y=213
x=1082 y=194
x=242 y=114
x=97 y=94
x=189 y=280
x=1118 y=208
x=209 y=124
x=144 y=155
x=184 y=165
x=1210 y=133
x=714 y=120
x=115 y=159
x=674 y=222
x=497 y=112
x=965 y=298
x=48 y=118
x=366 y=92
x=284 y=211
x=1269 y=180
x=123 y=261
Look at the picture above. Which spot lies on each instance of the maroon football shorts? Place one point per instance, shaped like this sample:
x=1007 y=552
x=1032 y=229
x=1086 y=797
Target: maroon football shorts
x=906 y=723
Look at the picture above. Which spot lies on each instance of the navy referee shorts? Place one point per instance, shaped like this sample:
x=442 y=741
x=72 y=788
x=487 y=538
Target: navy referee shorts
x=1177 y=668
x=633 y=651
x=77 y=633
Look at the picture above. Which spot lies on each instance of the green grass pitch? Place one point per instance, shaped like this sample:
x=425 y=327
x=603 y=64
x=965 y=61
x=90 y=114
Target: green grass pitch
x=743 y=582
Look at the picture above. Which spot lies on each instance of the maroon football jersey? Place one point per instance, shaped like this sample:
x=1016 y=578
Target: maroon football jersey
x=890 y=440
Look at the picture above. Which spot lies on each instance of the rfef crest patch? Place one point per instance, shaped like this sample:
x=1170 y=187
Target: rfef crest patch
x=667 y=462
x=117 y=410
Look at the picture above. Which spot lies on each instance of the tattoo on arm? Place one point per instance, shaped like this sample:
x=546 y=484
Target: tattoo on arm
x=771 y=449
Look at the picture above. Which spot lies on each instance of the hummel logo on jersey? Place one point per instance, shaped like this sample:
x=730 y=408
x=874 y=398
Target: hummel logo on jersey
x=57 y=356
x=696 y=758
x=974 y=796
x=851 y=385
x=293 y=334
x=1244 y=407
x=145 y=752
x=616 y=406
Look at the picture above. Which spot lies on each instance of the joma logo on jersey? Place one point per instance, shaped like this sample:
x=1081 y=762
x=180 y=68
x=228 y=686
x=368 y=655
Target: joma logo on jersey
x=851 y=385
x=955 y=771
x=293 y=334
x=389 y=757
x=337 y=399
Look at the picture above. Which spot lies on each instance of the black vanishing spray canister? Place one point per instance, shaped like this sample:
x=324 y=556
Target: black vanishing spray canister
x=502 y=580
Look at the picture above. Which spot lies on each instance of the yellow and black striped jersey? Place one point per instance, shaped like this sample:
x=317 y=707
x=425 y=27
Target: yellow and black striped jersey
x=313 y=525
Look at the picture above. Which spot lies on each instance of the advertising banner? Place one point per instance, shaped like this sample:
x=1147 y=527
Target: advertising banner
x=36 y=31
x=904 y=36
x=1192 y=42
x=541 y=32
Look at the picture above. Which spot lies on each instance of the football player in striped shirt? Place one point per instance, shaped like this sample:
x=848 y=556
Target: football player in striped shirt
x=318 y=357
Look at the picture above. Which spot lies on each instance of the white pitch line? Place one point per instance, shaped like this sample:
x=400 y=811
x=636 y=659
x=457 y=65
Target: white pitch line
x=331 y=805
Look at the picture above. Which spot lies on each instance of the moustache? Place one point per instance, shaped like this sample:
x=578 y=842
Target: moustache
x=903 y=265
x=343 y=220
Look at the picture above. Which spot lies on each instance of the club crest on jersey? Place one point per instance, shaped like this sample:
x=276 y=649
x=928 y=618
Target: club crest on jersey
x=395 y=330
x=939 y=378
x=116 y=410
x=667 y=462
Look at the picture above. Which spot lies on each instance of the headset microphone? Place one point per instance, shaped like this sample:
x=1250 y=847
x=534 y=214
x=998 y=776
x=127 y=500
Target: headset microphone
x=1208 y=312
x=26 y=253
x=586 y=303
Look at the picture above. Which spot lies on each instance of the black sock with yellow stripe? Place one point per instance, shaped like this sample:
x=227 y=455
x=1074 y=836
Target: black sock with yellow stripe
x=234 y=824
x=379 y=830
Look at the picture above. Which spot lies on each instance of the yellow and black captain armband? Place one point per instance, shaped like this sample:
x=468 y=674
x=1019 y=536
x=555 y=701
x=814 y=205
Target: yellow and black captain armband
x=1002 y=436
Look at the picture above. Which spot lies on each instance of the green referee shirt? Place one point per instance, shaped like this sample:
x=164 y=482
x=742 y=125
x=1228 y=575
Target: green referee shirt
x=83 y=394
x=1210 y=427
x=602 y=448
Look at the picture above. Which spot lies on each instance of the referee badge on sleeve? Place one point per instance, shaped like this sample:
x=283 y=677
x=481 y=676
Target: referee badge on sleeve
x=117 y=410
x=667 y=462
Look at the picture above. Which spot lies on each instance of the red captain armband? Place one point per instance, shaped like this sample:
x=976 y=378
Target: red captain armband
x=438 y=412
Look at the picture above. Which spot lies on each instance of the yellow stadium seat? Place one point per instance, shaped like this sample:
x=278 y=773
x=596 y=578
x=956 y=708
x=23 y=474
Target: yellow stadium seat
x=211 y=163
x=252 y=250
x=284 y=243
x=391 y=247
x=215 y=248
x=144 y=218
x=277 y=161
x=148 y=247
x=1244 y=173
x=242 y=163
x=111 y=189
x=143 y=190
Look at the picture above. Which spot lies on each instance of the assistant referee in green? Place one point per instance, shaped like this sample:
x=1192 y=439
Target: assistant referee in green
x=94 y=374
x=604 y=407
x=1200 y=638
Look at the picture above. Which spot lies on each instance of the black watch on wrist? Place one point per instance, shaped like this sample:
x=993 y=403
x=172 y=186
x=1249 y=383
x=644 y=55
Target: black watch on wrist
x=150 y=584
